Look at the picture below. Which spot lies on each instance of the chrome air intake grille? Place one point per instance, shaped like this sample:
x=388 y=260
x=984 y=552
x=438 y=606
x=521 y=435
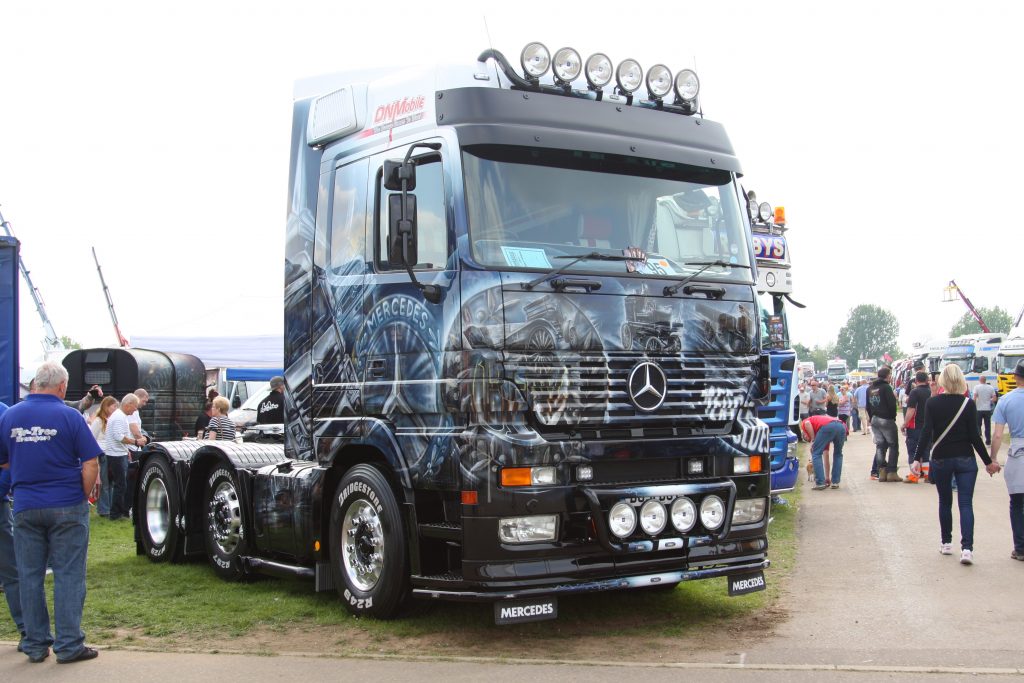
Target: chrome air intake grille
x=588 y=393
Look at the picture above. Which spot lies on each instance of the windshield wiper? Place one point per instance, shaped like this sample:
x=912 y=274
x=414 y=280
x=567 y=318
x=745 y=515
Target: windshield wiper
x=670 y=290
x=592 y=256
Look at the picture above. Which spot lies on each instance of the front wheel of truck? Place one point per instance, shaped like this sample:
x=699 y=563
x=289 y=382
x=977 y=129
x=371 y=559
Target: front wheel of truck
x=368 y=551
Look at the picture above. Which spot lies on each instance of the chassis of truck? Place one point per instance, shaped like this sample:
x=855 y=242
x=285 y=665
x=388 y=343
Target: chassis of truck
x=465 y=418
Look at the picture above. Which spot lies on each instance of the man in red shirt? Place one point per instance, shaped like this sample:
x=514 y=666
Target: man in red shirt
x=823 y=431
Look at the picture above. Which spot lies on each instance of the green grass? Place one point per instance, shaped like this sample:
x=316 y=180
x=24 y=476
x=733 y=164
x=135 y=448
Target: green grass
x=133 y=601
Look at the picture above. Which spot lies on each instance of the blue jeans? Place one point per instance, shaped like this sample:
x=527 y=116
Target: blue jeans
x=103 y=504
x=913 y=439
x=8 y=567
x=60 y=537
x=855 y=415
x=117 y=471
x=964 y=470
x=1017 y=521
x=833 y=433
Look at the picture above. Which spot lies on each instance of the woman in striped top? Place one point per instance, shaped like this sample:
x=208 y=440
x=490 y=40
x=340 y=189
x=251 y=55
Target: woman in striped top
x=221 y=427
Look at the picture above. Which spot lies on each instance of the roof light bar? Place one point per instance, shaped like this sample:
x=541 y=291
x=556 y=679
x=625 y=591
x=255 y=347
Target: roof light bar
x=687 y=85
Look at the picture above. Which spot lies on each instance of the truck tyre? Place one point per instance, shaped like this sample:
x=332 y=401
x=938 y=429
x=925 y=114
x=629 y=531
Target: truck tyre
x=368 y=551
x=224 y=532
x=158 y=511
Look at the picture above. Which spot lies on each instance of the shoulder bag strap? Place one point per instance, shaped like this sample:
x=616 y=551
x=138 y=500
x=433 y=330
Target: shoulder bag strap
x=951 y=423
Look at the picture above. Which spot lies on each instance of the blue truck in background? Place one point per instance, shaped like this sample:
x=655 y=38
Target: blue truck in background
x=8 y=320
x=774 y=285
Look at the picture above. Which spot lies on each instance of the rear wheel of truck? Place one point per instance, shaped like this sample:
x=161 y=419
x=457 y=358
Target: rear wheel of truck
x=368 y=551
x=157 y=511
x=224 y=532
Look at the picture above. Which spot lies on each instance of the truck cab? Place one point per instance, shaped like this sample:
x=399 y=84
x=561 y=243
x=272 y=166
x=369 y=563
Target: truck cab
x=774 y=285
x=976 y=355
x=868 y=367
x=521 y=346
x=837 y=371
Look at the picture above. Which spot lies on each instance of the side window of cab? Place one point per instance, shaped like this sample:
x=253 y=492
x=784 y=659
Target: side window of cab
x=432 y=225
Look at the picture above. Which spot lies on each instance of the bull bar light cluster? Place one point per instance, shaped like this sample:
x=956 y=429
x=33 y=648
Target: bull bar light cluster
x=566 y=66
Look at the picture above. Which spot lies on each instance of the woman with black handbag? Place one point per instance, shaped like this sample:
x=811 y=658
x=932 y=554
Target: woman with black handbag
x=951 y=431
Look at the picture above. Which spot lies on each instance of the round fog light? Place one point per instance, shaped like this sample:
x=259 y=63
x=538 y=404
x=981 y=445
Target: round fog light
x=684 y=514
x=712 y=512
x=535 y=59
x=629 y=75
x=687 y=85
x=659 y=81
x=622 y=519
x=765 y=212
x=653 y=517
x=599 y=70
x=567 y=65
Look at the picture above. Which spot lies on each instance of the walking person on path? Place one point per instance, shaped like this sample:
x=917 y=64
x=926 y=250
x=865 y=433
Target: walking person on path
x=1010 y=413
x=984 y=396
x=52 y=458
x=805 y=401
x=861 y=394
x=882 y=409
x=845 y=406
x=951 y=430
x=913 y=421
x=823 y=431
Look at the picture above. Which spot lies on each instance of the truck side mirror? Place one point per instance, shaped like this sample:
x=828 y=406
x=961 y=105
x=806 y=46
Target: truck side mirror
x=402 y=246
x=395 y=171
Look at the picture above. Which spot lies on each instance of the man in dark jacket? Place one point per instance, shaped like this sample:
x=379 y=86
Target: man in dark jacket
x=882 y=408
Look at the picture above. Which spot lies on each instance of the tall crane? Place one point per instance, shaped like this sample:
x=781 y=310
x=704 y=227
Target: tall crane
x=51 y=342
x=110 y=303
x=952 y=289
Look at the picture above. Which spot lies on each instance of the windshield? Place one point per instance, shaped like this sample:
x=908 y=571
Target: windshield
x=530 y=208
x=1006 y=364
x=964 y=362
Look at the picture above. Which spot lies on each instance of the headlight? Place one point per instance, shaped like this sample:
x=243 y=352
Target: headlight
x=622 y=519
x=567 y=65
x=527 y=529
x=684 y=514
x=653 y=517
x=687 y=85
x=629 y=75
x=659 y=81
x=712 y=512
x=535 y=59
x=765 y=211
x=599 y=70
x=746 y=464
x=748 y=511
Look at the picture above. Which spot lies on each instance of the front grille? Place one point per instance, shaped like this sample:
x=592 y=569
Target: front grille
x=588 y=394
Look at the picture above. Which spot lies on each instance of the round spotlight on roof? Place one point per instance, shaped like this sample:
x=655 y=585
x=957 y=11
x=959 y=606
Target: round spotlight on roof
x=567 y=65
x=629 y=75
x=764 y=211
x=752 y=207
x=687 y=85
x=598 y=70
x=535 y=59
x=659 y=81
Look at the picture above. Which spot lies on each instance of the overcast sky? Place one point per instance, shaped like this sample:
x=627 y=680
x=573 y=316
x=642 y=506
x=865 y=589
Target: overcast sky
x=159 y=135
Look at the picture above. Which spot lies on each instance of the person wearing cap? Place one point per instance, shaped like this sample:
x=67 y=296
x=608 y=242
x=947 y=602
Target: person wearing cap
x=1010 y=413
x=271 y=410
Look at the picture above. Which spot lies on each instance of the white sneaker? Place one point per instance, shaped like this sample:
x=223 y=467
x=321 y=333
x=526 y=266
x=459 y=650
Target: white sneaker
x=966 y=557
x=946 y=548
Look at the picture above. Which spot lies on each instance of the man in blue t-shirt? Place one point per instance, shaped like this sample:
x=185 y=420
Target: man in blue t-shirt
x=51 y=454
x=1010 y=414
x=8 y=567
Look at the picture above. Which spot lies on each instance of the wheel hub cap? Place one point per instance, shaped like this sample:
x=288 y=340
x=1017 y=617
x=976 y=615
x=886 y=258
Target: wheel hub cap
x=362 y=543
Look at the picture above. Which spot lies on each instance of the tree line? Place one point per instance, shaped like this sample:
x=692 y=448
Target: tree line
x=871 y=332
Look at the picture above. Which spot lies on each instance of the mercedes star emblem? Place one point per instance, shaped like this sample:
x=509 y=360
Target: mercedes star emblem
x=647 y=386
